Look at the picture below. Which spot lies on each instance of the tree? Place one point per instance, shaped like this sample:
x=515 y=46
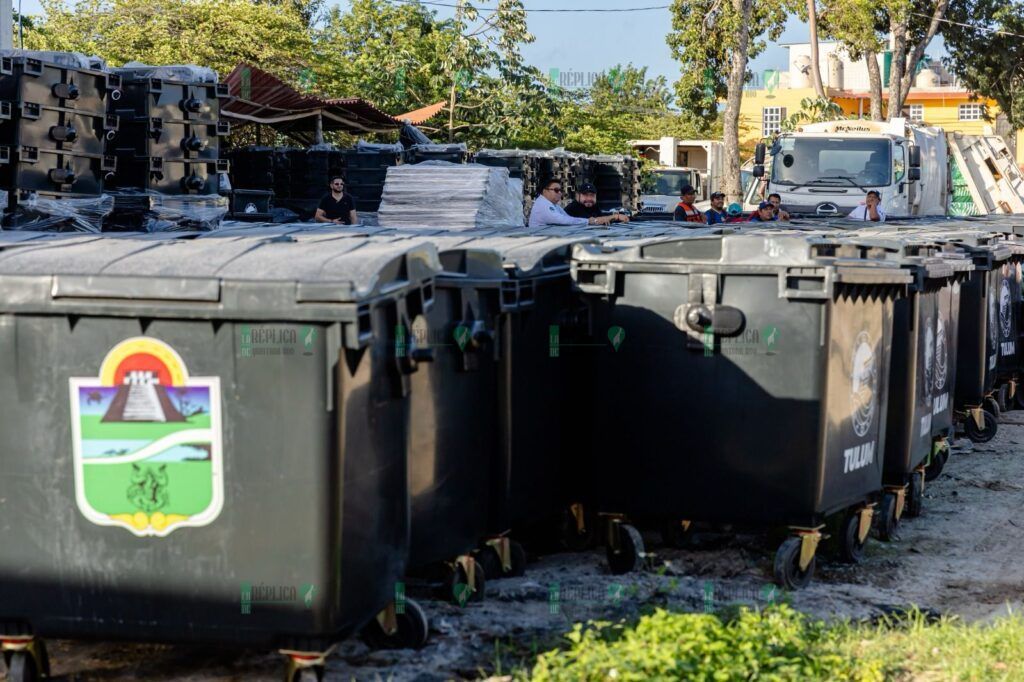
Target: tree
x=622 y=105
x=859 y=25
x=990 y=64
x=713 y=40
x=911 y=35
x=814 y=111
x=812 y=24
x=214 y=33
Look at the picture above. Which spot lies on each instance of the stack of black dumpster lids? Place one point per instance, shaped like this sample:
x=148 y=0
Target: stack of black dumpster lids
x=55 y=125
x=168 y=147
x=453 y=153
x=252 y=167
x=366 y=167
x=617 y=178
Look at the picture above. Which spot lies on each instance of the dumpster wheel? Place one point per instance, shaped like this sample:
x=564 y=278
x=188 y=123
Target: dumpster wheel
x=626 y=554
x=994 y=405
x=937 y=462
x=465 y=582
x=915 y=494
x=26 y=659
x=577 y=529
x=888 y=518
x=787 y=569
x=502 y=558
x=973 y=425
x=409 y=630
x=854 y=533
x=678 y=534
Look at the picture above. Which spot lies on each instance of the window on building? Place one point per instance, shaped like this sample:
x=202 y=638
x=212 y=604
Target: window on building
x=771 y=120
x=916 y=112
x=970 y=112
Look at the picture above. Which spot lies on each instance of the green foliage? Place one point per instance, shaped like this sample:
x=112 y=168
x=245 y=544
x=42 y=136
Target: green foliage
x=783 y=645
x=776 y=644
x=215 y=33
x=703 y=39
x=858 y=24
x=990 y=64
x=623 y=105
x=814 y=110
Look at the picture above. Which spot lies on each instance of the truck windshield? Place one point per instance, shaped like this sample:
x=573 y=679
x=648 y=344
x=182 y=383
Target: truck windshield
x=669 y=184
x=832 y=161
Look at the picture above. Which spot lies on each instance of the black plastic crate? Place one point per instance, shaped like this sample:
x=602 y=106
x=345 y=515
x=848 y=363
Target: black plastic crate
x=170 y=177
x=31 y=79
x=171 y=140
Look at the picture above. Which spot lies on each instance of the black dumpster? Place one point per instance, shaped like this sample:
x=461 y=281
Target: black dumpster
x=218 y=431
x=749 y=386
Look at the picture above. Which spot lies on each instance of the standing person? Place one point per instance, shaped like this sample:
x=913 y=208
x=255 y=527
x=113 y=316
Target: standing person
x=585 y=206
x=765 y=213
x=546 y=210
x=685 y=210
x=776 y=201
x=337 y=206
x=871 y=209
x=716 y=214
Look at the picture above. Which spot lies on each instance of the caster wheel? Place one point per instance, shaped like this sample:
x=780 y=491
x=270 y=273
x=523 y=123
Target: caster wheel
x=630 y=555
x=1018 y=398
x=411 y=633
x=1003 y=399
x=489 y=558
x=936 y=465
x=888 y=524
x=22 y=667
x=851 y=548
x=570 y=536
x=787 y=566
x=674 y=535
x=456 y=586
x=981 y=435
x=994 y=407
x=915 y=495
x=314 y=674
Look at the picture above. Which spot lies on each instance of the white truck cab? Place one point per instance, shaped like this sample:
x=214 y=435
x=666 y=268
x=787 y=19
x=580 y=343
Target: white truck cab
x=826 y=169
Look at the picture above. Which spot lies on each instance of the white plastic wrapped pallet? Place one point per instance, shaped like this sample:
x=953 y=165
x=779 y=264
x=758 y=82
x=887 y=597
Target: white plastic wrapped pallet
x=454 y=196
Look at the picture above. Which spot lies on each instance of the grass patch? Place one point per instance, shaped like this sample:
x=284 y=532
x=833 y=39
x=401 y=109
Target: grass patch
x=93 y=427
x=781 y=644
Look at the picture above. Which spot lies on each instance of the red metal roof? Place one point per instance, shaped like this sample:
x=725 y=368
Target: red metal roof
x=423 y=114
x=259 y=97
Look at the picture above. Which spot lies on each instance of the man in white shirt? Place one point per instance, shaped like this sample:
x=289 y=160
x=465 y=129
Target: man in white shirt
x=871 y=209
x=546 y=210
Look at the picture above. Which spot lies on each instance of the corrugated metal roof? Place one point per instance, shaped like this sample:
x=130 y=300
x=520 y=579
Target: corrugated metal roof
x=423 y=114
x=259 y=97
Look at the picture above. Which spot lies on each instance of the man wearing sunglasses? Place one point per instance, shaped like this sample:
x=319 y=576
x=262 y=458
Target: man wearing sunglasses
x=336 y=206
x=547 y=211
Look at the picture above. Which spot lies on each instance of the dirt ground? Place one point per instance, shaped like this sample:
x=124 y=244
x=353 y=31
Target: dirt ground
x=963 y=556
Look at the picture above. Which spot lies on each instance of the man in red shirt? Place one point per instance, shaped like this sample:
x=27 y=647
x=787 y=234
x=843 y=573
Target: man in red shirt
x=685 y=210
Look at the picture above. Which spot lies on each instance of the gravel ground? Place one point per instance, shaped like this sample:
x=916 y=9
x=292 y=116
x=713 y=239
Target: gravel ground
x=962 y=556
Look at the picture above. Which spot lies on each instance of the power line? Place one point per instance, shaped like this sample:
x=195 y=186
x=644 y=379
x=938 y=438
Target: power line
x=555 y=10
x=976 y=28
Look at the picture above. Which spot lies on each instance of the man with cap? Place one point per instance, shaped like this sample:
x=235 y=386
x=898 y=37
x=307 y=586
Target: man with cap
x=716 y=214
x=547 y=211
x=765 y=213
x=585 y=206
x=685 y=210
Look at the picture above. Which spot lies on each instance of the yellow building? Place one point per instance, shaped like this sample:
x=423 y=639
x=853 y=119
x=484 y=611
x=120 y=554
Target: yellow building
x=935 y=100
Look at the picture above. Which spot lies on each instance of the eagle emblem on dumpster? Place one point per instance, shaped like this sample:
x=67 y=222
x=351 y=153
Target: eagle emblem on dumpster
x=146 y=441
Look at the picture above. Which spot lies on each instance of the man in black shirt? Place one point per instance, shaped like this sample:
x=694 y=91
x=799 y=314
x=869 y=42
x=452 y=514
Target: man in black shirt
x=585 y=206
x=336 y=206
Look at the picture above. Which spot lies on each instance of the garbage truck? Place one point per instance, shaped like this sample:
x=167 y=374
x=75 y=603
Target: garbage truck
x=826 y=169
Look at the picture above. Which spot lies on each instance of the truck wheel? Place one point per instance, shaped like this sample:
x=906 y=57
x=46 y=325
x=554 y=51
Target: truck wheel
x=629 y=556
x=915 y=495
x=981 y=435
x=851 y=548
x=888 y=524
x=787 y=566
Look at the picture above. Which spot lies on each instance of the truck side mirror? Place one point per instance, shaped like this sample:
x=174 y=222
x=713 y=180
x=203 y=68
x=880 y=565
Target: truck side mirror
x=758 y=171
x=759 y=152
x=915 y=157
x=914 y=173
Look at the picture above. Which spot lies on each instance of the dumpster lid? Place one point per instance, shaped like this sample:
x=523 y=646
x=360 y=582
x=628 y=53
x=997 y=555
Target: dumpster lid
x=920 y=254
x=317 y=268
